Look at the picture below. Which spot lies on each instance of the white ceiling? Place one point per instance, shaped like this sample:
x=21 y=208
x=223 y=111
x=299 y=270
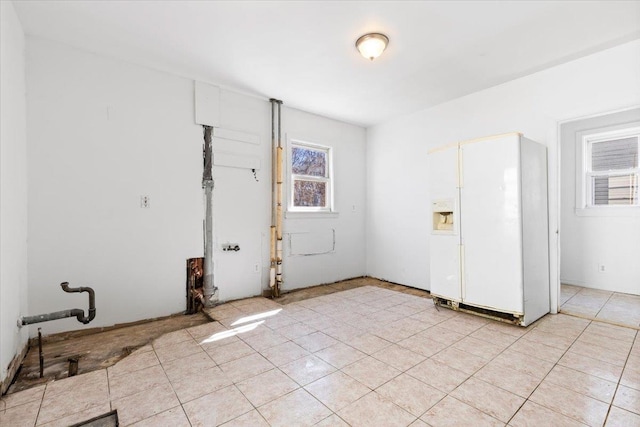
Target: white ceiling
x=304 y=53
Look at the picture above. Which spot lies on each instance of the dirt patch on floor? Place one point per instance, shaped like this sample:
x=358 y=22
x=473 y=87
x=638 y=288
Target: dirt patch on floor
x=95 y=349
x=316 y=291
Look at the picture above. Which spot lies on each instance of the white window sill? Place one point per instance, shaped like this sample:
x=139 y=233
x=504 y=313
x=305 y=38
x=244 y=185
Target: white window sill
x=311 y=214
x=632 y=211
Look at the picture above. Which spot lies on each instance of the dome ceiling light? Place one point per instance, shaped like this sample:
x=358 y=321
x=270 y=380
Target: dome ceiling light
x=372 y=45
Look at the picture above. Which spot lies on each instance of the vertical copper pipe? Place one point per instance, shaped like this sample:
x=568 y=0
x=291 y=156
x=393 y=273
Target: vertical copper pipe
x=279 y=199
x=275 y=210
x=272 y=266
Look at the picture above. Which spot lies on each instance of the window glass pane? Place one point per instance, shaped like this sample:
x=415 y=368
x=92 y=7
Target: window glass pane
x=305 y=161
x=615 y=154
x=615 y=190
x=310 y=193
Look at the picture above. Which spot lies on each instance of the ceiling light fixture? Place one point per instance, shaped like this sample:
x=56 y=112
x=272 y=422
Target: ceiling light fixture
x=372 y=45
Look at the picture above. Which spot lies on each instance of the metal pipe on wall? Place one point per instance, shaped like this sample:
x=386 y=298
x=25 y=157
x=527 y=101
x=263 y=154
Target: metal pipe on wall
x=272 y=245
x=275 y=276
x=77 y=312
x=280 y=159
x=208 y=289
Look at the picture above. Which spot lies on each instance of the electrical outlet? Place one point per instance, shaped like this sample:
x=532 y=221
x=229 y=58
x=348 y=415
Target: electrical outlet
x=601 y=268
x=256 y=268
x=145 y=202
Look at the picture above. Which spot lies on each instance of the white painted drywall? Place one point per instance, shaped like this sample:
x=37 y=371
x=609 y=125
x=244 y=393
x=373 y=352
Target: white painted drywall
x=13 y=187
x=594 y=237
x=101 y=134
x=240 y=203
x=397 y=195
x=104 y=132
x=347 y=260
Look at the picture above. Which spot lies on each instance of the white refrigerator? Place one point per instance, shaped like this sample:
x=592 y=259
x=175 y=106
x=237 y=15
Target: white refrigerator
x=489 y=249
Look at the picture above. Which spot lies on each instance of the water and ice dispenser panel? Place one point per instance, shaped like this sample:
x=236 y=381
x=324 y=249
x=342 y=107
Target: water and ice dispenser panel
x=443 y=215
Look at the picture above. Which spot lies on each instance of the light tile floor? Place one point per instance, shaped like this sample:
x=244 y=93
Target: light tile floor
x=363 y=357
x=604 y=305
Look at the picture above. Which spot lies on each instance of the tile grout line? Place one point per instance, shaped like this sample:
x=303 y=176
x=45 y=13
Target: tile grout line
x=505 y=349
x=170 y=383
x=109 y=388
x=370 y=355
x=570 y=298
x=35 y=423
x=527 y=399
x=620 y=378
x=446 y=394
x=470 y=376
x=605 y=303
x=556 y=364
x=234 y=384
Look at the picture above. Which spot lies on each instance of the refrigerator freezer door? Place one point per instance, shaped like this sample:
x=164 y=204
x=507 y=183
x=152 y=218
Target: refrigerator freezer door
x=535 y=230
x=445 y=237
x=491 y=228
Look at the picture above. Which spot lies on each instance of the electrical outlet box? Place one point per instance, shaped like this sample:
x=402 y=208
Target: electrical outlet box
x=601 y=268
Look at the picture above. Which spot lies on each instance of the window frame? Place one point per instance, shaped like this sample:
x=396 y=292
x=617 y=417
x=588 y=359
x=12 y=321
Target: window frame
x=328 y=178
x=587 y=174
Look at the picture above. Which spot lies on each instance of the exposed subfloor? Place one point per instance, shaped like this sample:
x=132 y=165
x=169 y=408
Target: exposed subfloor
x=316 y=291
x=103 y=347
x=97 y=348
x=365 y=356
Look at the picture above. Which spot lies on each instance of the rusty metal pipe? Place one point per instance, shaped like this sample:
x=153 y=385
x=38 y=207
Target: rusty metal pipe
x=40 y=354
x=209 y=289
x=274 y=200
x=279 y=200
x=73 y=366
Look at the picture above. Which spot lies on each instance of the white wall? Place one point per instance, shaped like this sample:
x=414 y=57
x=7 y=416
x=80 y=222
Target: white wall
x=591 y=238
x=13 y=187
x=347 y=224
x=240 y=203
x=397 y=196
x=101 y=134
x=104 y=132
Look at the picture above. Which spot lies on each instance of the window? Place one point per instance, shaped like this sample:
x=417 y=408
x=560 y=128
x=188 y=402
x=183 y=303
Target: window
x=310 y=177
x=611 y=168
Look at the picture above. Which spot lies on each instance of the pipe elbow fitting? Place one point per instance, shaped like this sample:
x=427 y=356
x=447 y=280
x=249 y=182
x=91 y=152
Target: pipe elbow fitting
x=92 y=302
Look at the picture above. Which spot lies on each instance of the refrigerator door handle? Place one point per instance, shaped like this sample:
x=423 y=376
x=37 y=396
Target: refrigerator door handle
x=460 y=169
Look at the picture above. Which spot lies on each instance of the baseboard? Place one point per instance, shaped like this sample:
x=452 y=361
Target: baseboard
x=583 y=284
x=13 y=369
x=572 y=282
